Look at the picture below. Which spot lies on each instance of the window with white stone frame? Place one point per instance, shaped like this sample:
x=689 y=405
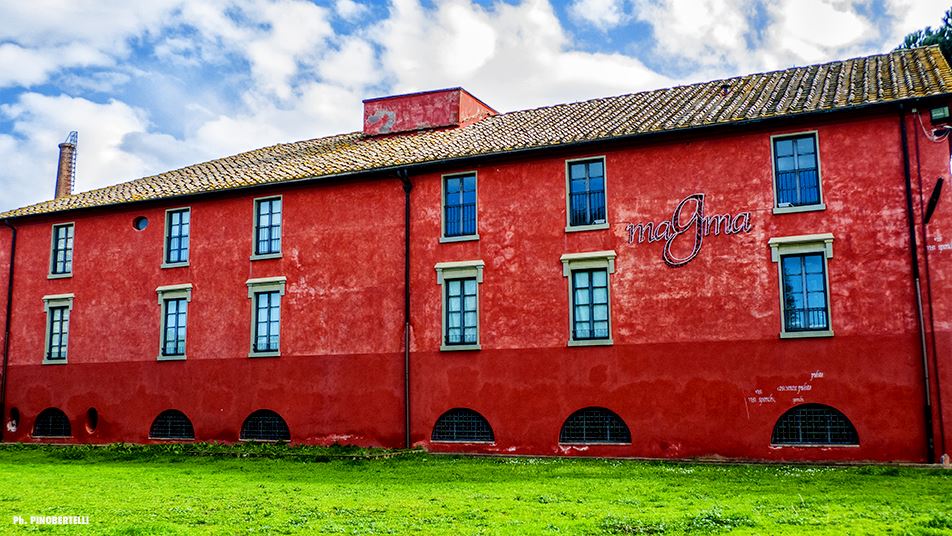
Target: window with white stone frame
x=802 y=268
x=173 y=304
x=589 y=297
x=460 y=317
x=58 y=308
x=265 y=294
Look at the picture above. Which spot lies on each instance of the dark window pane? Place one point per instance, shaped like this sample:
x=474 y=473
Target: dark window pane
x=176 y=236
x=459 y=206
x=590 y=304
x=461 y=311
x=173 y=425
x=462 y=425
x=264 y=425
x=814 y=424
x=804 y=292
x=52 y=422
x=586 y=193
x=796 y=171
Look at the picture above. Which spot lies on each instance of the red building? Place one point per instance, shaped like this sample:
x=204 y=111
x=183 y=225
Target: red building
x=748 y=268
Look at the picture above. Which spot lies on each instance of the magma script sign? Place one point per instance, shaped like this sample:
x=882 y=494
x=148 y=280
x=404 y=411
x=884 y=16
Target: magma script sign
x=688 y=219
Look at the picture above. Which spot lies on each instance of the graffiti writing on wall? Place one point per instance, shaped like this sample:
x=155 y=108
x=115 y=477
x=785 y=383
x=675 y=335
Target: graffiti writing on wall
x=688 y=219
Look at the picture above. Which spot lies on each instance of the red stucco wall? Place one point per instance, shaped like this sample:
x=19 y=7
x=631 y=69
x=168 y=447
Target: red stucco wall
x=696 y=369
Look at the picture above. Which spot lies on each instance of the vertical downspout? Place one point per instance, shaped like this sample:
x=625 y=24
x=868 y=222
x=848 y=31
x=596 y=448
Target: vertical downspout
x=6 y=328
x=407 y=186
x=914 y=250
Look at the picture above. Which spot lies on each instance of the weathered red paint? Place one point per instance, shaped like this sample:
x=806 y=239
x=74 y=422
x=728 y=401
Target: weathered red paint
x=692 y=345
x=452 y=107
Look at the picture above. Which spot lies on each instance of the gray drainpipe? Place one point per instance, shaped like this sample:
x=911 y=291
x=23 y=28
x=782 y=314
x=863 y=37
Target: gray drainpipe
x=404 y=176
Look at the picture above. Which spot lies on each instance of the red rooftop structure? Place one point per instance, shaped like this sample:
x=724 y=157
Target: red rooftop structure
x=750 y=268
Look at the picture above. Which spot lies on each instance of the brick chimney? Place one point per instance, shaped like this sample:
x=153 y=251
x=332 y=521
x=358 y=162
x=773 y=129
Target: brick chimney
x=66 y=170
x=441 y=108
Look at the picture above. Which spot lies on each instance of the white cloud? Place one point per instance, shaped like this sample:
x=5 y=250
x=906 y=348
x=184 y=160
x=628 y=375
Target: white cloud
x=812 y=31
x=908 y=16
x=350 y=10
x=603 y=14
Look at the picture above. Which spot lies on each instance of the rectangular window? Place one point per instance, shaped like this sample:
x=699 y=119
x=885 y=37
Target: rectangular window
x=802 y=267
x=460 y=281
x=58 y=308
x=61 y=259
x=586 y=192
x=804 y=292
x=58 y=333
x=796 y=171
x=176 y=236
x=459 y=205
x=173 y=335
x=267 y=321
x=460 y=311
x=590 y=304
x=268 y=226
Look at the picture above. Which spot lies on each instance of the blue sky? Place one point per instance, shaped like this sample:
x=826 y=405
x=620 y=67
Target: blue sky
x=152 y=86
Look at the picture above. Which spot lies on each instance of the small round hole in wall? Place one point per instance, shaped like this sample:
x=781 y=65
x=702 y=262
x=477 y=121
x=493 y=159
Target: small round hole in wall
x=140 y=223
x=92 y=420
x=14 y=421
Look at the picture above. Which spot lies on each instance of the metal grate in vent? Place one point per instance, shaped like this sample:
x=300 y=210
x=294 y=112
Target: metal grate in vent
x=594 y=425
x=172 y=424
x=462 y=425
x=265 y=425
x=814 y=424
x=52 y=422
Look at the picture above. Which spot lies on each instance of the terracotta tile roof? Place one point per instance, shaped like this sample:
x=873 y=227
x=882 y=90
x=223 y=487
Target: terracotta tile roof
x=895 y=76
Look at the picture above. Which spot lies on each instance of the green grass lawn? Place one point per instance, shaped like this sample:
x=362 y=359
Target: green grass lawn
x=137 y=490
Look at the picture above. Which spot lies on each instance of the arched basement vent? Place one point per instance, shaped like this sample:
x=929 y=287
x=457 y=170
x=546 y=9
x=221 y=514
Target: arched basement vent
x=52 y=422
x=172 y=424
x=594 y=425
x=814 y=424
x=462 y=425
x=265 y=425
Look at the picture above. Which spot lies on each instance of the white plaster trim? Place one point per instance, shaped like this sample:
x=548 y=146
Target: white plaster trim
x=591 y=259
x=459 y=270
x=812 y=243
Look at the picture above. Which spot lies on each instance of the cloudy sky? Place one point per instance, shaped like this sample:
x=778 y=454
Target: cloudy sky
x=154 y=85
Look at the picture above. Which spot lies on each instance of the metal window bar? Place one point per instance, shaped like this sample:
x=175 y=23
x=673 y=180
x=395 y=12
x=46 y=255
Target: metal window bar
x=173 y=342
x=594 y=425
x=265 y=425
x=459 y=201
x=799 y=185
x=172 y=424
x=58 y=333
x=462 y=425
x=590 y=304
x=267 y=321
x=268 y=227
x=803 y=288
x=52 y=422
x=814 y=424
x=177 y=236
x=461 y=315
x=63 y=249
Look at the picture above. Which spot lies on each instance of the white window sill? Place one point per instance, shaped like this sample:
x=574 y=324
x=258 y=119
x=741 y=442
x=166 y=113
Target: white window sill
x=806 y=334
x=577 y=228
x=451 y=239
x=54 y=361
x=811 y=446
x=266 y=256
x=592 y=342
x=463 y=442
x=264 y=354
x=802 y=208
x=174 y=264
x=170 y=358
x=59 y=276
x=593 y=444
x=459 y=347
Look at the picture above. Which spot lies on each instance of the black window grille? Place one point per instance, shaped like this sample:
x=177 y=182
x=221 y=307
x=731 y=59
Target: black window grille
x=814 y=424
x=265 y=425
x=267 y=321
x=62 y=262
x=796 y=170
x=58 y=333
x=804 y=292
x=462 y=425
x=461 y=315
x=172 y=424
x=590 y=304
x=52 y=422
x=173 y=338
x=268 y=226
x=594 y=425
x=459 y=204
x=587 y=192
x=176 y=236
